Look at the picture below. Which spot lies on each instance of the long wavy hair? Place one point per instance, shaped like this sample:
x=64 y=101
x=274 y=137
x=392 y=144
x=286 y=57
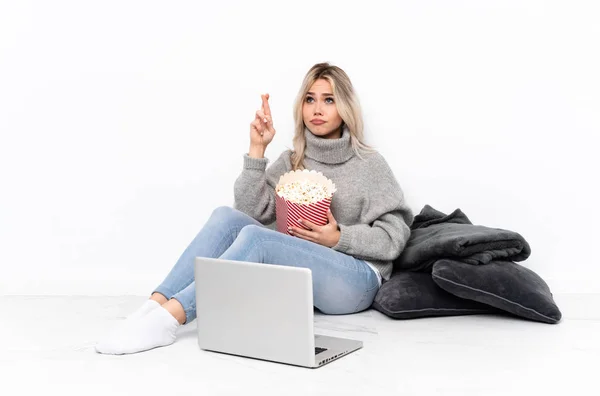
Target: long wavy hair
x=347 y=105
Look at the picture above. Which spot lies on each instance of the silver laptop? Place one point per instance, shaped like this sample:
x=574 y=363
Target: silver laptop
x=261 y=311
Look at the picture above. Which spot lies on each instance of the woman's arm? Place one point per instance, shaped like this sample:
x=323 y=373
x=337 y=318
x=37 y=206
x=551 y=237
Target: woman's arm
x=254 y=189
x=384 y=240
x=385 y=227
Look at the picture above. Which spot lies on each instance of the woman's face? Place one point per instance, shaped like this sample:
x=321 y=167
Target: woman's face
x=319 y=111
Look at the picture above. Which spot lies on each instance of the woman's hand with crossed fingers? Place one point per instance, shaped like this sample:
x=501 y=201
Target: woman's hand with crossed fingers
x=261 y=129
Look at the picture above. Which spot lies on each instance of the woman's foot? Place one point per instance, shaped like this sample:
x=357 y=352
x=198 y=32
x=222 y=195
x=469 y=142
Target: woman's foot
x=155 y=301
x=156 y=328
x=148 y=306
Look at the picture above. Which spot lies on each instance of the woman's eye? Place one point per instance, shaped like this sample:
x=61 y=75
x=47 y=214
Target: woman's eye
x=327 y=100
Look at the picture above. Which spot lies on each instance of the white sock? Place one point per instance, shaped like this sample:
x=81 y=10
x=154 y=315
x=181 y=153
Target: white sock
x=155 y=329
x=148 y=306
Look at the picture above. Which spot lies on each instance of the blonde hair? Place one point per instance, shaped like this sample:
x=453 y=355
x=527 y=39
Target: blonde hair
x=347 y=105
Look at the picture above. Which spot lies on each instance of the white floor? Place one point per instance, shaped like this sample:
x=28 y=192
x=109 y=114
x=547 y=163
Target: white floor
x=46 y=347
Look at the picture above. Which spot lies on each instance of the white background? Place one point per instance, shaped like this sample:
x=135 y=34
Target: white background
x=123 y=123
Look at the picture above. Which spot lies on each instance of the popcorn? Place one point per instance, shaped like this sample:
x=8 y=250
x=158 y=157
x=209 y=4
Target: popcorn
x=302 y=194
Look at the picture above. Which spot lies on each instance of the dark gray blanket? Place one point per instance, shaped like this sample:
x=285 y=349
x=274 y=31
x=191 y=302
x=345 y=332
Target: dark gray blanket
x=435 y=235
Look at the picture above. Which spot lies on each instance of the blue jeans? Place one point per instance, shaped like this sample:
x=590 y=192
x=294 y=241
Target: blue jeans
x=341 y=283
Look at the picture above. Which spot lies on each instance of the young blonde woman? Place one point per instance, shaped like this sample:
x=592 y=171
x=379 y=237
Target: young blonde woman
x=368 y=222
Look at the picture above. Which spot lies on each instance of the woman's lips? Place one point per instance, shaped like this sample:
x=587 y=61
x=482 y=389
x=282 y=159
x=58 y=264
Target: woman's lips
x=318 y=122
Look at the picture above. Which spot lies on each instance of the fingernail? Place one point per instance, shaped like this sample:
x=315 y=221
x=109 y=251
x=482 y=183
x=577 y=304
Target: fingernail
x=265 y=120
x=300 y=221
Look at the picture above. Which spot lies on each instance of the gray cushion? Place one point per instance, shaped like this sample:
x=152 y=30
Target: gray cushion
x=502 y=284
x=409 y=295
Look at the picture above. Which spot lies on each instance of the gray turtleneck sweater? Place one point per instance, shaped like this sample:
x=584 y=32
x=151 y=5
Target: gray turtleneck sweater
x=368 y=205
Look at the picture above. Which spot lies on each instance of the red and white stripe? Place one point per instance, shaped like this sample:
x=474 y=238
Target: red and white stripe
x=288 y=213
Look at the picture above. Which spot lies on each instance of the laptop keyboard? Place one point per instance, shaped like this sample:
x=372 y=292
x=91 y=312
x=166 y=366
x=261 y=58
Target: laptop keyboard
x=319 y=350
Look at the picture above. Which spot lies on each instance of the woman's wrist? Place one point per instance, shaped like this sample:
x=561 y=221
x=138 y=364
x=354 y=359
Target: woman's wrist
x=256 y=152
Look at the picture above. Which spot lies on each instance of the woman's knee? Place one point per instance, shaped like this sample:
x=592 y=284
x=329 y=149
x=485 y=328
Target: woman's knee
x=253 y=237
x=250 y=232
x=223 y=214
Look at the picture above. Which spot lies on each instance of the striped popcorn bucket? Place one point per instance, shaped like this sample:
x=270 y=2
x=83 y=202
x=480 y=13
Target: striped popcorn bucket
x=288 y=213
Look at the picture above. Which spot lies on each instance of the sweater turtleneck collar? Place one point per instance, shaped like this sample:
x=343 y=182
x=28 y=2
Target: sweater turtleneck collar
x=328 y=151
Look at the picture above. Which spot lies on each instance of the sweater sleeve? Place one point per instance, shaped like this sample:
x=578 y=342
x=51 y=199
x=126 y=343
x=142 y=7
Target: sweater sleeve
x=254 y=189
x=386 y=227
